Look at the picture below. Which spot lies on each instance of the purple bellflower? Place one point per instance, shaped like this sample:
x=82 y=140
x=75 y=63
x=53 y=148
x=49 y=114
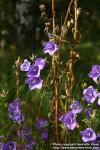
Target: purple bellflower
x=76 y=107
x=88 y=112
x=69 y=120
x=40 y=62
x=90 y=94
x=14 y=110
x=25 y=66
x=95 y=72
x=50 y=47
x=88 y=135
x=9 y=146
x=41 y=123
x=34 y=83
x=33 y=71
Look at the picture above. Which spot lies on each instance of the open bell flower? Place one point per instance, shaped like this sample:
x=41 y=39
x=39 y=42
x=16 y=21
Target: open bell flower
x=90 y=94
x=95 y=73
x=88 y=135
x=50 y=47
x=33 y=71
x=25 y=66
x=34 y=83
x=40 y=62
x=76 y=107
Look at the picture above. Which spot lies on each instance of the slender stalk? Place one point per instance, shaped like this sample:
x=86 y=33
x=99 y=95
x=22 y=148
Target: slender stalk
x=55 y=77
x=76 y=17
x=18 y=62
x=66 y=18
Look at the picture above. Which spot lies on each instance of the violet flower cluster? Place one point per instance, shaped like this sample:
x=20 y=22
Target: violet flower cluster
x=14 y=110
x=33 y=73
x=41 y=124
x=69 y=119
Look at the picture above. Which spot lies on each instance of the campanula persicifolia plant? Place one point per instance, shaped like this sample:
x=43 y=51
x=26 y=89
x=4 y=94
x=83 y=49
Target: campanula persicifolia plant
x=69 y=119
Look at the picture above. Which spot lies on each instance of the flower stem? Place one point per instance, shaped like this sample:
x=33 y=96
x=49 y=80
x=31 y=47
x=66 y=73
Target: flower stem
x=55 y=64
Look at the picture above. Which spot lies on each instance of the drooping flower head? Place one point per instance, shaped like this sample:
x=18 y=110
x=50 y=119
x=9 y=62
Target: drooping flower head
x=76 y=107
x=88 y=112
x=90 y=94
x=41 y=123
x=14 y=110
x=25 y=66
x=69 y=120
x=9 y=146
x=95 y=72
x=88 y=135
x=50 y=47
x=33 y=71
x=34 y=83
x=40 y=62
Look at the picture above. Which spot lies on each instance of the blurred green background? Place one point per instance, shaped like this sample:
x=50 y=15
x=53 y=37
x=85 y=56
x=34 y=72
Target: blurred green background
x=21 y=33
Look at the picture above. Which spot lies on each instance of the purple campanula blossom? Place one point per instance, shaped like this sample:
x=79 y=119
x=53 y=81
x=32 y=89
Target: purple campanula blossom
x=33 y=71
x=40 y=62
x=14 y=110
x=34 y=83
x=41 y=123
x=88 y=112
x=76 y=107
x=9 y=146
x=90 y=94
x=50 y=47
x=95 y=72
x=69 y=120
x=44 y=135
x=25 y=66
x=88 y=135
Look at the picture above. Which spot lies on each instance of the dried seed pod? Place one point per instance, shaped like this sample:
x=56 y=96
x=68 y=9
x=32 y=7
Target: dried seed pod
x=42 y=8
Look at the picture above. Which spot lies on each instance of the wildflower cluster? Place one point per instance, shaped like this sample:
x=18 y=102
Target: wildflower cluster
x=90 y=95
x=69 y=119
x=33 y=73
